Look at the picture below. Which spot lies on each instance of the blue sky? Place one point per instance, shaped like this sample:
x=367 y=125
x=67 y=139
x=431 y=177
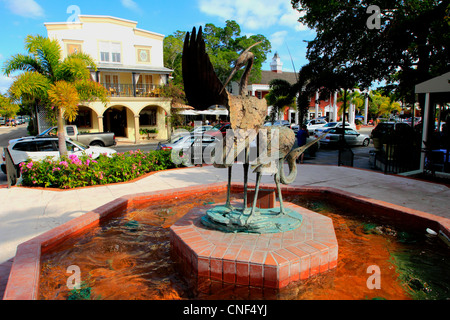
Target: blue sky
x=275 y=19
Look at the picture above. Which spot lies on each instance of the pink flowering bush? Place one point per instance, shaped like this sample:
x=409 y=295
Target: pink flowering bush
x=73 y=171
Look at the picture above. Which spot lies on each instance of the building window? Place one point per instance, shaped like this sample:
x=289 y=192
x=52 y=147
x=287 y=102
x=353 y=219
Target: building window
x=148 y=117
x=110 y=52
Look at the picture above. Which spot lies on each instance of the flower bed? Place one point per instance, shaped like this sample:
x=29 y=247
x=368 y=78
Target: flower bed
x=74 y=172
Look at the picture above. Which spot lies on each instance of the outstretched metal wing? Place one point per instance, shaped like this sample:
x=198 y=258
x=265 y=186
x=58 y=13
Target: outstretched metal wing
x=201 y=84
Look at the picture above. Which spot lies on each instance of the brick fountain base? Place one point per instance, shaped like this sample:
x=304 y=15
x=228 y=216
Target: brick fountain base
x=270 y=260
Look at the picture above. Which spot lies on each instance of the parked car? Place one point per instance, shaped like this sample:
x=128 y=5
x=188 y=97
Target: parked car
x=100 y=139
x=11 y=122
x=313 y=124
x=39 y=148
x=284 y=123
x=197 y=129
x=2 y=121
x=386 y=132
x=330 y=125
x=351 y=136
x=19 y=120
x=219 y=128
x=186 y=144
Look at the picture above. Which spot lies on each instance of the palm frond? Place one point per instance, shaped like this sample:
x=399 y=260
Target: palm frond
x=30 y=85
x=46 y=51
x=72 y=69
x=87 y=59
x=90 y=90
x=21 y=62
x=64 y=95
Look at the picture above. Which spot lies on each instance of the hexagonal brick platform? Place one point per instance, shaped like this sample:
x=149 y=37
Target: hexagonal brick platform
x=258 y=260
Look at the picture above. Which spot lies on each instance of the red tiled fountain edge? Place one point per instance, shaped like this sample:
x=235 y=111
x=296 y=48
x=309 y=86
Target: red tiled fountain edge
x=271 y=260
x=23 y=282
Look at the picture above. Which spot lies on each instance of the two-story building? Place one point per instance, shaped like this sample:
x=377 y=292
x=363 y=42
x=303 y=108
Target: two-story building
x=129 y=65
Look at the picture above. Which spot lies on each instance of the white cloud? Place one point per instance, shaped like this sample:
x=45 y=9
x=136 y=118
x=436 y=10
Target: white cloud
x=290 y=19
x=277 y=38
x=5 y=83
x=253 y=14
x=25 y=8
x=130 y=4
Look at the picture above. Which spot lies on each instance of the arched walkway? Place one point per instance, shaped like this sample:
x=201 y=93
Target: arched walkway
x=116 y=119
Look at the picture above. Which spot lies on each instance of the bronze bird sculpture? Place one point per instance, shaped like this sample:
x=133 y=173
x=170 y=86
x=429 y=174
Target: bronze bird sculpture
x=247 y=115
x=203 y=89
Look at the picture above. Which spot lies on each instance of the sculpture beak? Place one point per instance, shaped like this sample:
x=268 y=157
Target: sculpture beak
x=239 y=64
x=229 y=77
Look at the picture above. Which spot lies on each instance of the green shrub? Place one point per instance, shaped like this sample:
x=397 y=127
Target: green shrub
x=73 y=171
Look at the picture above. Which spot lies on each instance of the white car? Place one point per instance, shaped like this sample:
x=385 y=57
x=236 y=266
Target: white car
x=330 y=125
x=314 y=124
x=39 y=148
x=351 y=136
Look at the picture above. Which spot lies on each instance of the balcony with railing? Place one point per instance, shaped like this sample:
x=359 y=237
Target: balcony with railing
x=130 y=90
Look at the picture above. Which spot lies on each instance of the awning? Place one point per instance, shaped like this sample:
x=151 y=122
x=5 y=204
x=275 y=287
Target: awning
x=188 y=112
x=214 y=112
x=204 y=112
x=182 y=106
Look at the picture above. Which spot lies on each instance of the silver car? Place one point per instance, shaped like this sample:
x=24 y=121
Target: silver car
x=352 y=137
x=331 y=125
x=187 y=144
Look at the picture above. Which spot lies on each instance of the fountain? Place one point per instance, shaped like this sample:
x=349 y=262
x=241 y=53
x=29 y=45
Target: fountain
x=280 y=242
x=244 y=243
x=128 y=246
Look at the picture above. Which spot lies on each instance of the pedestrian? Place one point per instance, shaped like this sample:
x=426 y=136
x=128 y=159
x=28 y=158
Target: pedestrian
x=302 y=136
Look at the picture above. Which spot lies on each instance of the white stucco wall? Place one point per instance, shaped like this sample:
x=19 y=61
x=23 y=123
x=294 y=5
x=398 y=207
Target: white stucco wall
x=108 y=29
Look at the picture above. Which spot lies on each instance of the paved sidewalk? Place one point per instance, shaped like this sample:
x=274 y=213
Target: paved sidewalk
x=26 y=213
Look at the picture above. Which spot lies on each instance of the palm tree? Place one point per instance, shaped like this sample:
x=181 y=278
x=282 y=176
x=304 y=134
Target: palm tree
x=375 y=101
x=353 y=98
x=54 y=82
x=281 y=95
x=389 y=106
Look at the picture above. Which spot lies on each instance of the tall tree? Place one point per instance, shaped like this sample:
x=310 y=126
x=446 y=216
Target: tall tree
x=173 y=50
x=8 y=109
x=225 y=44
x=47 y=78
x=410 y=44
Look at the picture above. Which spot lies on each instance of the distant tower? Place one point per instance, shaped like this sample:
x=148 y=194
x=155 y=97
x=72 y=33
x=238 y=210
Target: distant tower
x=276 y=65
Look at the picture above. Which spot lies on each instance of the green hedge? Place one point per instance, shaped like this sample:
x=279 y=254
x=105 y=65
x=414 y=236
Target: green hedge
x=73 y=171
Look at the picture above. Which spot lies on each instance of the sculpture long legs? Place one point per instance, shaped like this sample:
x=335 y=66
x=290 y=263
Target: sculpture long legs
x=228 y=203
x=280 y=196
x=255 y=199
x=246 y=167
